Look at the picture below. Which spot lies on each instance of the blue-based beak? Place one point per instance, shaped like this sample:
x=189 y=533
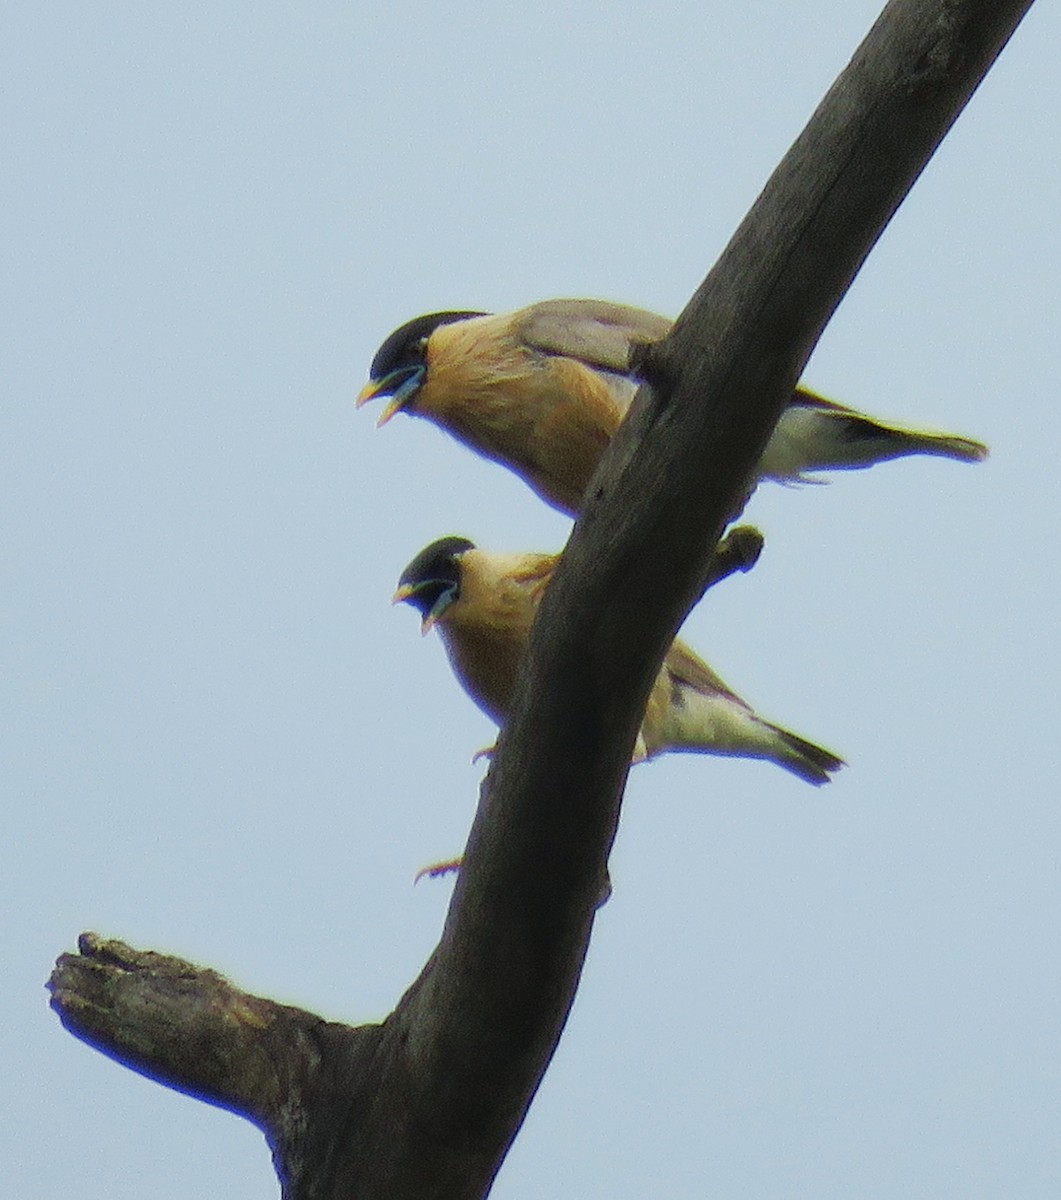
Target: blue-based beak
x=401 y=385
x=408 y=590
x=437 y=609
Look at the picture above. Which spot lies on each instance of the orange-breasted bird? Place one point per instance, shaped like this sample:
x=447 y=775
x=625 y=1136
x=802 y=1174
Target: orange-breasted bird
x=483 y=606
x=544 y=389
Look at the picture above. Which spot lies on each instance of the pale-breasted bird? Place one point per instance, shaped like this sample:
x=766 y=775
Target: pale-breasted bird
x=483 y=606
x=543 y=390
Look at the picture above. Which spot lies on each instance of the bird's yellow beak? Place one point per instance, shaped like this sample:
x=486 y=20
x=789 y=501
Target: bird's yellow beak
x=369 y=392
x=401 y=385
x=403 y=593
x=393 y=406
x=374 y=388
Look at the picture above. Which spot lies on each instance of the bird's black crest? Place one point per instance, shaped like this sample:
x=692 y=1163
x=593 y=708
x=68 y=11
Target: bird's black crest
x=436 y=563
x=403 y=347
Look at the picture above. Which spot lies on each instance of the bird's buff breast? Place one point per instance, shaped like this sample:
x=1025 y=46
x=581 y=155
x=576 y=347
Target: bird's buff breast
x=485 y=660
x=549 y=418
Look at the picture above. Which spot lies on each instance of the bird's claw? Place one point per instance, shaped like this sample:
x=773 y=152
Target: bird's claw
x=437 y=870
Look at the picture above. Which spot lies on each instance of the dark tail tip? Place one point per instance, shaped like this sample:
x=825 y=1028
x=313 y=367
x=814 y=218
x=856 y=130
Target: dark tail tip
x=809 y=761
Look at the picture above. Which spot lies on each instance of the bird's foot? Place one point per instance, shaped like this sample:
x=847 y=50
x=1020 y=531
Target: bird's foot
x=437 y=870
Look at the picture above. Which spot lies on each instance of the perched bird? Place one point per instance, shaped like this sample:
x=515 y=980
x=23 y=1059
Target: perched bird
x=544 y=389
x=484 y=604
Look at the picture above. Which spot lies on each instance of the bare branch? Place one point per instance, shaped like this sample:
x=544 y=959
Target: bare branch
x=190 y=1028
x=181 y=1024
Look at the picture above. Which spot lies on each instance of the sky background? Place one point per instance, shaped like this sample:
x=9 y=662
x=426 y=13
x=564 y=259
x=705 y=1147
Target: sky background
x=220 y=740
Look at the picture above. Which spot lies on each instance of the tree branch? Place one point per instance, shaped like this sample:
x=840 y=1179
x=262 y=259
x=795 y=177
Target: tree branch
x=426 y=1104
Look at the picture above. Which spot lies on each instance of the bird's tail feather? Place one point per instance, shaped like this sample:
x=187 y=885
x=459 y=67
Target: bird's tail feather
x=951 y=445
x=714 y=723
x=809 y=761
x=870 y=441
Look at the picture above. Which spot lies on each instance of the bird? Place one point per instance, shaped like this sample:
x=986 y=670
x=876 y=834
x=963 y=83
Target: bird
x=483 y=605
x=542 y=390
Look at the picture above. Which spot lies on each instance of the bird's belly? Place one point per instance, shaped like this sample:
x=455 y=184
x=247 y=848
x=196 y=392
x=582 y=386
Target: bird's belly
x=790 y=450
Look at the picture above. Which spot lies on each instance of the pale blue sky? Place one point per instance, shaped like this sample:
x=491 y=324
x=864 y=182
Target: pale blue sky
x=222 y=741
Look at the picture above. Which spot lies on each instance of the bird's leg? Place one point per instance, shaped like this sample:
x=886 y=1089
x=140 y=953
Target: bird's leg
x=437 y=870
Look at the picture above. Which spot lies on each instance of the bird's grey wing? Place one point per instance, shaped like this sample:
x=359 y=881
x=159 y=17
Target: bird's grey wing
x=595 y=332
x=684 y=666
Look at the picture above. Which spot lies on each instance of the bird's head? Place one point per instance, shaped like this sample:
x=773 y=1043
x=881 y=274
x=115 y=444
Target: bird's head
x=432 y=581
x=400 y=364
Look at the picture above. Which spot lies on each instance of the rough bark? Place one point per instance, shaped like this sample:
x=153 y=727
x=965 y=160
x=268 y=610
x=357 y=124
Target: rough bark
x=427 y=1103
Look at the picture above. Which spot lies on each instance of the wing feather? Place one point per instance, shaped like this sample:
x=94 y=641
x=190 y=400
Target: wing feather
x=687 y=667
x=595 y=332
